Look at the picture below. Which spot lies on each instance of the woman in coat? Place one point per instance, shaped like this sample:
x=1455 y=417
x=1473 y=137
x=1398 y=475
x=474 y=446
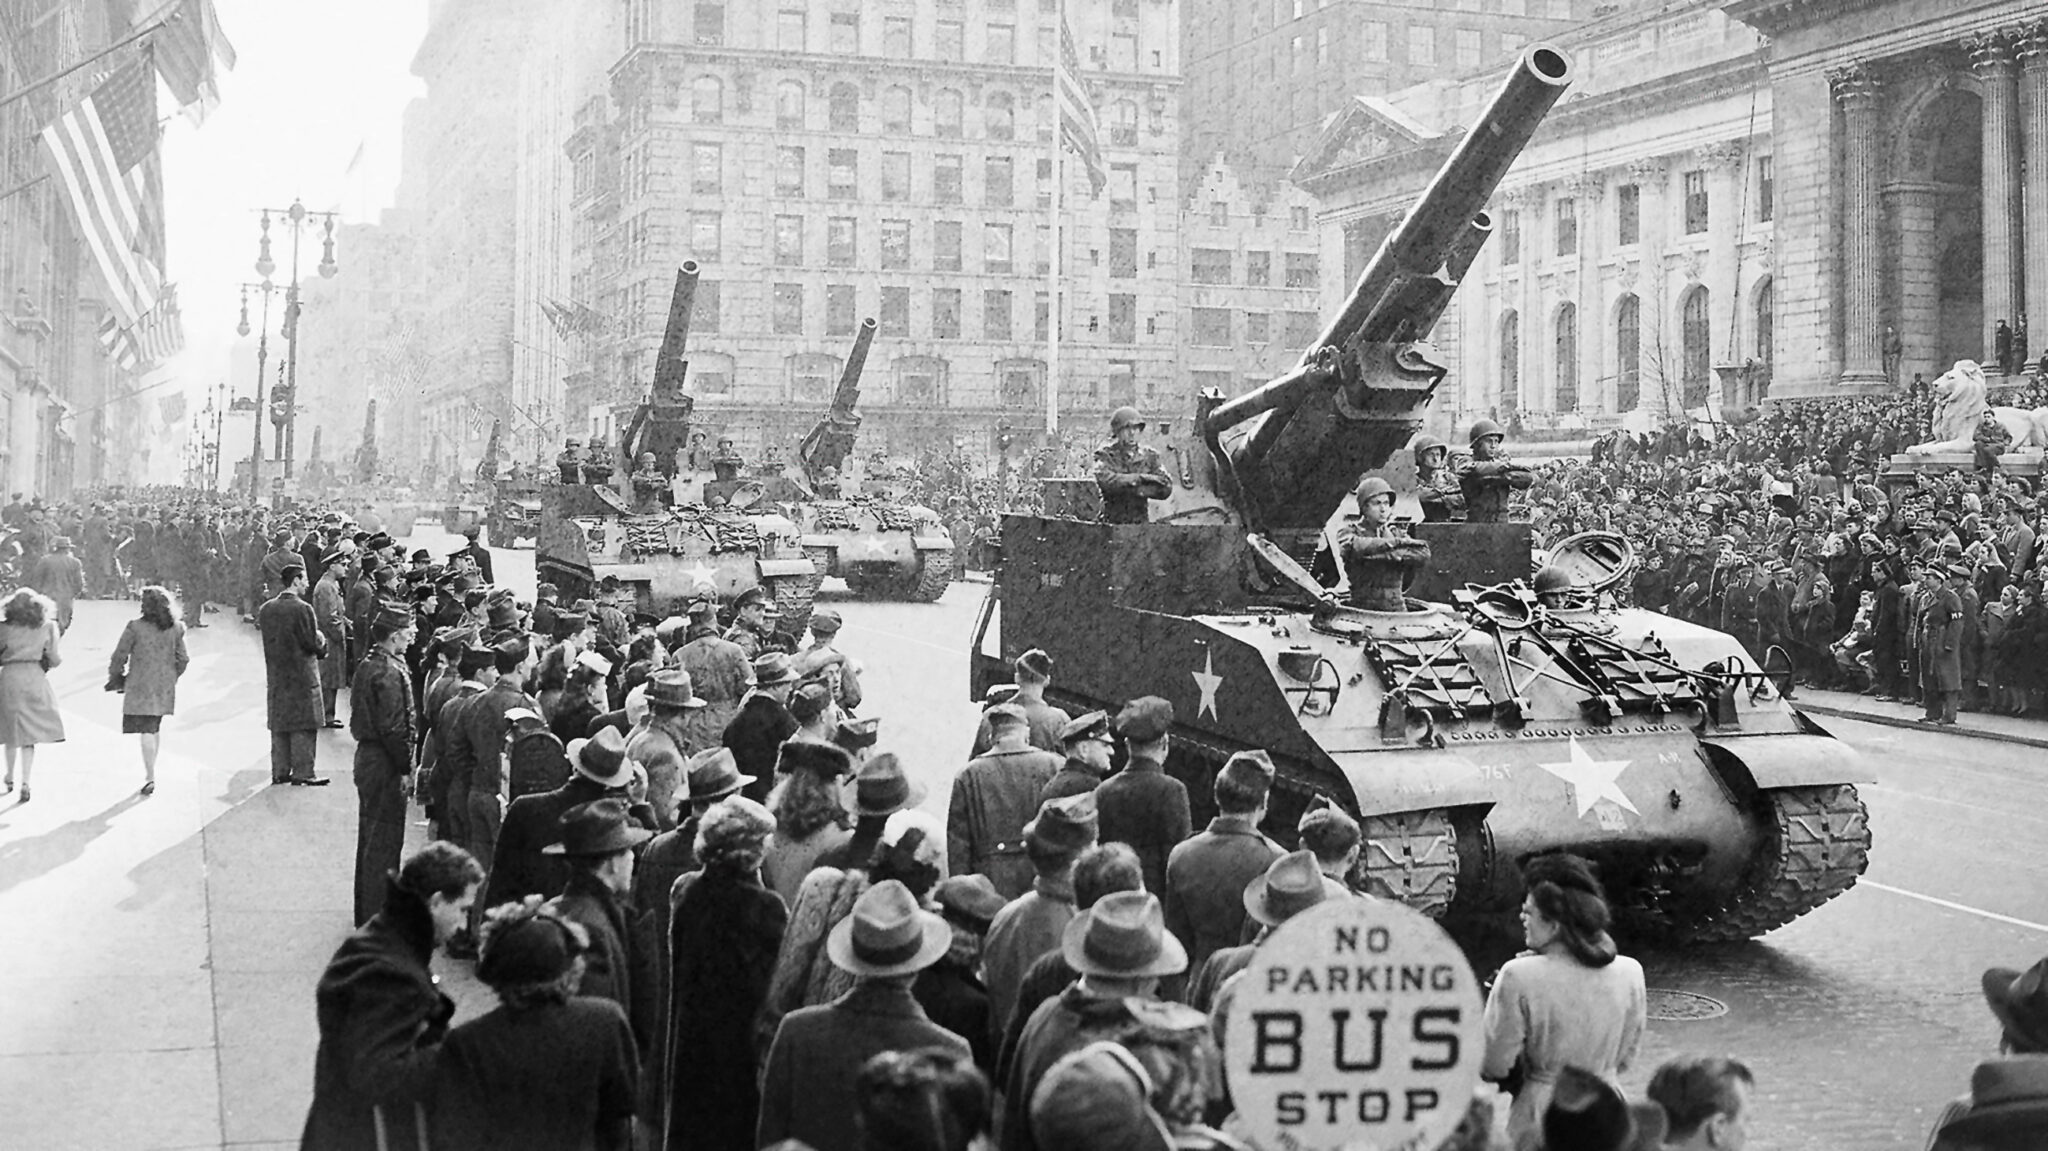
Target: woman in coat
x=723 y=935
x=147 y=662
x=28 y=708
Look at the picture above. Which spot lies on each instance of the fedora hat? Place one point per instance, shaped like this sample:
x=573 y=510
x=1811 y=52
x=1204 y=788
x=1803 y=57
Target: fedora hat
x=2020 y=1000
x=1588 y=1113
x=2008 y=1095
x=824 y=760
x=888 y=934
x=503 y=616
x=600 y=827
x=809 y=702
x=1123 y=936
x=1098 y=1096
x=715 y=774
x=970 y=899
x=601 y=759
x=774 y=667
x=881 y=788
x=1067 y=824
x=671 y=688
x=1291 y=884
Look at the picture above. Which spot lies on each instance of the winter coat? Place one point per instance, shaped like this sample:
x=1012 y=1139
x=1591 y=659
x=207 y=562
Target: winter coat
x=559 y=1077
x=618 y=965
x=1941 y=630
x=1148 y=809
x=292 y=647
x=994 y=796
x=152 y=659
x=722 y=940
x=1205 y=882
x=519 y=868
x=755 y=737
x=807 y=1091
x=803 y=976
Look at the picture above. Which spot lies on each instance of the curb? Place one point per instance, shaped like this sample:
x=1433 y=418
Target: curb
x=1914 y=724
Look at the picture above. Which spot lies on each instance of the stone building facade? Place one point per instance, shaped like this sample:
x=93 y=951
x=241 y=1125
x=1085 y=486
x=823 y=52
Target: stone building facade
x=1250 y=281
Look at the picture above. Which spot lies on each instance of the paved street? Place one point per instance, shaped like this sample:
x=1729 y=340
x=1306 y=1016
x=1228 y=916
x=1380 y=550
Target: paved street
x=162 y=952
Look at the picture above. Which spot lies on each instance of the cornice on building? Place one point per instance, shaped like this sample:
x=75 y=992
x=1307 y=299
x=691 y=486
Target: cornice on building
x=1777 y=17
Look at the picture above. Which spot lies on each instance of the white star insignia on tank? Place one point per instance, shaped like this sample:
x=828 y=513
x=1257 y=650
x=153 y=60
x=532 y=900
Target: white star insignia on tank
x=1592 y=779
x=1207 y=681
x=702 y=573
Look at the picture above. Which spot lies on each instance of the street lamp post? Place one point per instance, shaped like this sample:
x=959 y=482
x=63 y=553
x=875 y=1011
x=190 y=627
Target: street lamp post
x=262 y=353
x=286 y=400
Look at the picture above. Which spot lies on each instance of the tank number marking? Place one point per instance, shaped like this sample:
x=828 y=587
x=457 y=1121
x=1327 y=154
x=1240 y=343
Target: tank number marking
x=1496 y=771
x=1052 y=579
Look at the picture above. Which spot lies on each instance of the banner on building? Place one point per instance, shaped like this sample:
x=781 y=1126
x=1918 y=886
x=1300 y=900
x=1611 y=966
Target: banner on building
x=574 y=319
x=190 y=52
x=1078 y=125
x=156 y=337
x=99 y=152
x=171 y=408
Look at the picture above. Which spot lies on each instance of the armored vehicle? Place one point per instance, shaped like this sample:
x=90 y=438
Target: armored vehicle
x=618 y=517
x=883 y=547
x=1469 y=732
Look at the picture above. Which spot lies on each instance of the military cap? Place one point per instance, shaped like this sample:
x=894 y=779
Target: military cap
x=476 y=658
x=854 y=734
x=1006 y=713
x=1037 y=662
x=969 y=899
x=1069 y=823
x=378 y=542
x=1145 y=719
x=825 y=621
x=393 y=618
x=422 y=555
x=1093 y=725
x=750 y=597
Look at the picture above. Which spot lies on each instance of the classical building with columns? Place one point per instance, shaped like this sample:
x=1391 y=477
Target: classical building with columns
x=1912 y=142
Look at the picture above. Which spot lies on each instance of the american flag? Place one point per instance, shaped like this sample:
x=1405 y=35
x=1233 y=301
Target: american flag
x=100 y=151
x=1078 y=125
x=189 y=49
x=158 y=336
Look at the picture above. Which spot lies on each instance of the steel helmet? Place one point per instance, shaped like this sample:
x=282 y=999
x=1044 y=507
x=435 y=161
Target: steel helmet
x=1483 y=429
x=1552 y=579
x=1428 y=443
x=1371 y=487
x=1124 y=417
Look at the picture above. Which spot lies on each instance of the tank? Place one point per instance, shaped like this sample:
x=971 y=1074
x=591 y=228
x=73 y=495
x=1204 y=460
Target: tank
x=1478 y=726
x=659 y=550
x=882 y=546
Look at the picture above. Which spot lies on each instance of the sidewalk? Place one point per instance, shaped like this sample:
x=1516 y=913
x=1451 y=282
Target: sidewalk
x=2031 y=732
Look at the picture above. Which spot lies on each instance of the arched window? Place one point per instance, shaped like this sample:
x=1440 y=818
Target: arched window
x=896 y=110
x=946 y=113
x=707 y=100
x=789 y=106
x=1565 y=374
x=1510 y=361
x=1123 y=123
x=1047 y=119
x=1696 y=349
x=1000 y=114
x=844 y=109
x=1628 y=354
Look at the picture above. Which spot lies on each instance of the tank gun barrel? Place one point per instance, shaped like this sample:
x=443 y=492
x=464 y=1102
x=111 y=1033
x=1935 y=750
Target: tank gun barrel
x=848 y=394
x=831 y=439
x=669 y=365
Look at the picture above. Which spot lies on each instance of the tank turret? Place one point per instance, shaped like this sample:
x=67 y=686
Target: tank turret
x=661 y=423
x=830 y=441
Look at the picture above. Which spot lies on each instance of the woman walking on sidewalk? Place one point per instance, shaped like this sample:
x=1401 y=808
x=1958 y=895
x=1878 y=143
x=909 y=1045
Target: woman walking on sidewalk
x=28 y=708
x=145 y=668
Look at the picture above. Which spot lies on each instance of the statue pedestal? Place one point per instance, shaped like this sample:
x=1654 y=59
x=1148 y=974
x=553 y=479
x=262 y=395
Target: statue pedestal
x=1904 y=469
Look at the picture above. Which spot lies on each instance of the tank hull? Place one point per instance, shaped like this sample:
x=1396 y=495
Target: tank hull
x=882 y=549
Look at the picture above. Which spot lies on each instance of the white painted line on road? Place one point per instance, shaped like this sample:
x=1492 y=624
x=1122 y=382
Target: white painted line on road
x=904 y=638
x=1953 y=906
x=1999 y=812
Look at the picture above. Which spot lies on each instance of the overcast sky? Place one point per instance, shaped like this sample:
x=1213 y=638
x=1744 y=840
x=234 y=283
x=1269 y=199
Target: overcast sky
x=313 y=79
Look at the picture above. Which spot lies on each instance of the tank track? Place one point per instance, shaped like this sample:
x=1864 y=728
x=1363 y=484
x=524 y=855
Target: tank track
x=793 y=594
x=1820 y=844
x=821 y=558
x=1412 y=857
x=934 y=576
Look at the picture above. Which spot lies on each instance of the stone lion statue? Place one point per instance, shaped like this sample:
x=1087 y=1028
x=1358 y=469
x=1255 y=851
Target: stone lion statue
x=1959 y=403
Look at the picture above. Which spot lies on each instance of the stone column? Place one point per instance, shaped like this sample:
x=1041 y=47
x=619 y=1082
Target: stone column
x=1863 y=327
x=1991 y=57
x=2033 y=53
x=1915 y=209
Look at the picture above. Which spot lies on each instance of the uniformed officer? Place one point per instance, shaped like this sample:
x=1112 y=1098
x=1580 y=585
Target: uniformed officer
x=1488 y=474
x=570 y=462
x=752 y=626
x=1443 y=501
x=1128 y=473
x=1378 y=557
x=382 y=720
x=648 y=484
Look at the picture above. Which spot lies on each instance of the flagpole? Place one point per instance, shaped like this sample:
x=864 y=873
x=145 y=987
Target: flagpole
x=1052 y=298
x=33 y=87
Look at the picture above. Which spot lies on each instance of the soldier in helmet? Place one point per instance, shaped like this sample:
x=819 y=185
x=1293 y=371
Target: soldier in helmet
x=1379 y=558
x=1554 y=588
x=828 y=483
x=649 y=485
x=726 y=462
x=1128 y=472
x=1486 y=477
x=1443 y=501
x=570 y=462
x=597 y=463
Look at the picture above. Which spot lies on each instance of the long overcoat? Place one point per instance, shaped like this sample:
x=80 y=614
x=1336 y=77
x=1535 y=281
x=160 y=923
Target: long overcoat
x=152 y=658
x=292 y=647
x=722 y=943
x=1941 y=630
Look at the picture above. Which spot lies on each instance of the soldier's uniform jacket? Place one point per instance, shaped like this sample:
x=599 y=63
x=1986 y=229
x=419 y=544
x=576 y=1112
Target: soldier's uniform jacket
x=1485 y=484
x=1377 y=562
x=749 y=640
x=1129 y=475
x=1443 y=500
x=726 y=464
x=380 y=706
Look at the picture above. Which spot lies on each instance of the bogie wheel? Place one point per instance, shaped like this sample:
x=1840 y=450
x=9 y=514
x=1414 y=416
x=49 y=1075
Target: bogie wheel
x=1412 y=857
x=793 y=595
x=1817 y=843
x=934 y=574
x=824 y=559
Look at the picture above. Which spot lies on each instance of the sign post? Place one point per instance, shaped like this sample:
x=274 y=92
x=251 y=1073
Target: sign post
x=1356 y=1027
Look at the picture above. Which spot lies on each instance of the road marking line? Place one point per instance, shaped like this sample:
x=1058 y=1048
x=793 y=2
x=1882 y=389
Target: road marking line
x=1953 y=906
x=2001 y=813
x=904 y=638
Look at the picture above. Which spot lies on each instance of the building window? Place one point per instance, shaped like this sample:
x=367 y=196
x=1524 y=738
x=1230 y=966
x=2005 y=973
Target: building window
x=1696 y=347
x=843 y=108
x=789 y=30
x=704 y=236
x=1298 y=329
x=1123 y=52
x=845 y=34
x=999 y=113
x=1123 y=253
x=789 y=106
x=789 y=240
x=709 y=27
x=1628 y=354
x=895 y=175
x=1514 y=7
x=1567 y=226
x=894 y=318
x=1042 y=236
x=1303 y=269
x=789 y=171
x=705 y=169
x=1258 y=327
x=1695 y=202
x=895 y=243
x=1211 y=266
x=1123 y=319
x=1766 y=188
x=1298 y=219
x=1046 y=120
x=996 y=245
x=946 y=179
x=1123 y=186
x=1373 y=41
x=704 y=308
x=948 y=43
x=839 y=310
x=1296 y=60
x=1510 y=362
x=1258 y=269
x=842 y=174
x=995 y=314
x=789 y=310
x=896 y=110
x=1322 y=47
x=1123 y=123
x=1466 y=42
x=945 y=313
x=1041 y=319
x=1044 y=173
x=1628 y=217
x=1002 y=44
x=707 y=100
x=841 y=241
x=1421 y=45
x=946 y=113
x=1566 y=373
x=999 y=181
x=945 y=246
x=1511 y=237
x=896 y=37
x=1209 y=327
x=1219 y=214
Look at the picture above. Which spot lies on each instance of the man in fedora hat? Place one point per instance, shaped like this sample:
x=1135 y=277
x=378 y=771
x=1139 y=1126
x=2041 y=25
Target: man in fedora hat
x=598 y=771
x=719 y=669
x=60 y=576
x=2003 y=1100
x=1033 y=923
x=1206 y=875
x=763 y=721
x=709 y=776
x=753 y=626
x=1101 y=871
x=1291 y=884
x=993 y=797
x=1705 y=1101
x=597 y=842
x=1086 y=743
x=1033 y=673
x=807 y=1089
x=880 y=790
x=381 y=720
x=1142 y=805
x=1121 y=949
x=292 y=647
x=664 y=747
